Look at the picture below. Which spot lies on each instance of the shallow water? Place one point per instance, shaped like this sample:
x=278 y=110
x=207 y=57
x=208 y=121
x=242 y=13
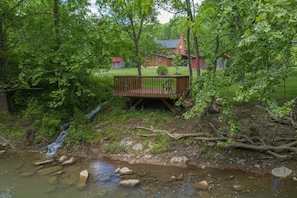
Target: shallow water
x=20 y=178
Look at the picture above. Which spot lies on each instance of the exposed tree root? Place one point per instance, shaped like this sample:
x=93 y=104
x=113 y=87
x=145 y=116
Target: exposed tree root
x=175 y=136
x=241 y=141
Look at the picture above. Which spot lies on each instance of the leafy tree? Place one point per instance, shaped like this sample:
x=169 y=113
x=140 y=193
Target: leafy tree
x=54 y=47
x=176 y=61
x=131 y=16
x=186 y=8
x=8 y=22
x=259 y=40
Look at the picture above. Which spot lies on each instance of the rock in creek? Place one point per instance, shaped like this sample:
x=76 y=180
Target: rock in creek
x=201 y=185
x=281 y=171
x=2 y=151
x=49 y=170
x=53 y=180
x=27 y=173
x=67 y=182
x=68 y=162
x=83 y=177
x=62 y=159
x=204 y=194
x=129 y=182
x=51 y=189
x=238 y=187
x=49 y=161
x=125 y=171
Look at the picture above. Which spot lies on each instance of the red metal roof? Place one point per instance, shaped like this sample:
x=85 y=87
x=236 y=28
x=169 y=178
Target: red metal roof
x=116 y=59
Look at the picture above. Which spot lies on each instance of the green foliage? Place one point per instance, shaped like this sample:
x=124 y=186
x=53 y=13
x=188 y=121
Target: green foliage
x=222 y=145
x=281 y=111
x=49 y=124
x=161 y=145
x=230 y=120
x=79 y=127
x=34 y=111
x=12 y=133
x=210 y=91
x=113 y=148
x=260 y=47
x=131 y=17
x=162 y=70
x=176 y=61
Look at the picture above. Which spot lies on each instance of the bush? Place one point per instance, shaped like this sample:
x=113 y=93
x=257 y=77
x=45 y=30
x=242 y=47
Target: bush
x=162 y=70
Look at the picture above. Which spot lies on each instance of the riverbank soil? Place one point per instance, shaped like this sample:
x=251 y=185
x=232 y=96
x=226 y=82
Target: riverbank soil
x=261 y=144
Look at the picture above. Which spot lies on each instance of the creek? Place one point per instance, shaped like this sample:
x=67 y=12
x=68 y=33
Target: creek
x=21 y=178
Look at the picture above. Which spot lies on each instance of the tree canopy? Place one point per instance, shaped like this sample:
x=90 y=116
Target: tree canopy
x=49 y=49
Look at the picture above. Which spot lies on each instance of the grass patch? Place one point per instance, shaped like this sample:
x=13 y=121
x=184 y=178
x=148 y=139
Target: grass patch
x=287 y=89
x=144 y=71
x=113 y=148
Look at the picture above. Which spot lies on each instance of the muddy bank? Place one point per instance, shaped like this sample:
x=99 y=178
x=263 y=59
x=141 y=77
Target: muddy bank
x=187 y=156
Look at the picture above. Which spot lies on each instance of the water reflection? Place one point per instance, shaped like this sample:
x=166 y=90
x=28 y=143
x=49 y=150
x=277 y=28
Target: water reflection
x=155 y=181
x=104 y=172
x=275 y=184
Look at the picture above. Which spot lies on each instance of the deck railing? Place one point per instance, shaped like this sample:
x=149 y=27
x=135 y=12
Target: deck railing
x=150 y=86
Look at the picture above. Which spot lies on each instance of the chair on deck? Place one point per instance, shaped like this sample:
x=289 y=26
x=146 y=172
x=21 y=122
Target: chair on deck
x=126 y=85
x=167 y=86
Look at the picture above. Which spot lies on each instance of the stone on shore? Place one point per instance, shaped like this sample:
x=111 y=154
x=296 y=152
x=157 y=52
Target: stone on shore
x=129 y=182
x=181 y=159
x=83 y=177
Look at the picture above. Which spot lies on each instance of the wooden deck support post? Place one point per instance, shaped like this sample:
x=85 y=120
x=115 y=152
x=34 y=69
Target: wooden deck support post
x=168 y=105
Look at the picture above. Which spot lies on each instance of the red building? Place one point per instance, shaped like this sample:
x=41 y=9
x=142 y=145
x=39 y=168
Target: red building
x=169 y=48
x=193 y=63
x=167 y=51
x=117 y=62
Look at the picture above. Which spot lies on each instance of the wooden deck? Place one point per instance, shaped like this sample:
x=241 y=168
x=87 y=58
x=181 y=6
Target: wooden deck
x=158 y=87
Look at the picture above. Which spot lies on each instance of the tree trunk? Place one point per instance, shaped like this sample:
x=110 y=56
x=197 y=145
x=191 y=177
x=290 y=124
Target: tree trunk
x=56 y=23
x=190 y=17
x=3 y=104
x=189 y=55
x=216 y=52
x=196 y=47
x=3 y=97
x=137 y=54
